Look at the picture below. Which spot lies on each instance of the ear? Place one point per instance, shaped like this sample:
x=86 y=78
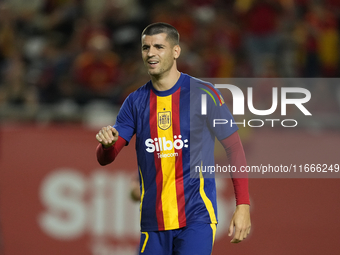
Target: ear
x=176 y=51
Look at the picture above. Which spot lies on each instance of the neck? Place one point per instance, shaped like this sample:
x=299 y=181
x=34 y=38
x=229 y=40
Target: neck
x=165 y=82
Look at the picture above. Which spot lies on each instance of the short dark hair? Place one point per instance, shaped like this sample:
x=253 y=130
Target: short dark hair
x=161 y=27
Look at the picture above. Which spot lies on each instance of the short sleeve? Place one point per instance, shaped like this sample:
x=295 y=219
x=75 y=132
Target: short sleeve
x=125 y=123
x=219 y=118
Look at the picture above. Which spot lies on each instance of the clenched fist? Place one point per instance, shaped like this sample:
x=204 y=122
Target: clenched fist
x=107 y=136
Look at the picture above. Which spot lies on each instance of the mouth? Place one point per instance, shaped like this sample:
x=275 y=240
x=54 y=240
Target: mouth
x=152 y=63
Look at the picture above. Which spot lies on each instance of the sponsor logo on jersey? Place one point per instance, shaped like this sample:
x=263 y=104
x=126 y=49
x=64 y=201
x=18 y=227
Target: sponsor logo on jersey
x=161 y=144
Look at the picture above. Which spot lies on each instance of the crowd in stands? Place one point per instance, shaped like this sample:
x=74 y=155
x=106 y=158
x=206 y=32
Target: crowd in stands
x=78 y=51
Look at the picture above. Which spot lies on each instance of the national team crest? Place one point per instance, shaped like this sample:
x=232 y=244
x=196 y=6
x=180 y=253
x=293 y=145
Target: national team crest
x=164 y=120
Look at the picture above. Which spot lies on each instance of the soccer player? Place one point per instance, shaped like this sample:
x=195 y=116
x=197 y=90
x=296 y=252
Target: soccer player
x=178 y=212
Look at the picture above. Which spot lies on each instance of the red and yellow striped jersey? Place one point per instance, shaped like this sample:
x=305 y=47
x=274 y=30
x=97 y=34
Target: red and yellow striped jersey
x=172 y=139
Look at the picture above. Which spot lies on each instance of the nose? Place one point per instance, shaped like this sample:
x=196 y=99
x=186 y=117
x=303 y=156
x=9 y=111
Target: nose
x=151 y=51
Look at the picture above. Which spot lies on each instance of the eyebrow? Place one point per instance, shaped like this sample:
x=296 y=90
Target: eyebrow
x=159 y=45
x=155 y=45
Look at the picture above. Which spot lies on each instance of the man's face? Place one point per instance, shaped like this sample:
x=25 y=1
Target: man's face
x=158 y=53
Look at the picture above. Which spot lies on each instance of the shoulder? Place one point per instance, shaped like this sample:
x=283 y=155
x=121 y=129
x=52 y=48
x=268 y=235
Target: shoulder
x=202 y=83
x=199 y=86
x=196 y=82
x=138 y=96
x=139 y=93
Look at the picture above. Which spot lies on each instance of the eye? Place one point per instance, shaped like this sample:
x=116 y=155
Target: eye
x=145 y=47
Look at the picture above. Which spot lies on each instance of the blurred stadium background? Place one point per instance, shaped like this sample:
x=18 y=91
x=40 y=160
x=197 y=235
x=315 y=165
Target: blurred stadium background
x=67 y=65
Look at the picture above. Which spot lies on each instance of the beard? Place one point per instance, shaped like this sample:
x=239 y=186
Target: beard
x=159 y=71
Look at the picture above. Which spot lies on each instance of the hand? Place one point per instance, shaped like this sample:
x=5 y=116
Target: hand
x=107 y=136
x=135 y=191
x=241 y=221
